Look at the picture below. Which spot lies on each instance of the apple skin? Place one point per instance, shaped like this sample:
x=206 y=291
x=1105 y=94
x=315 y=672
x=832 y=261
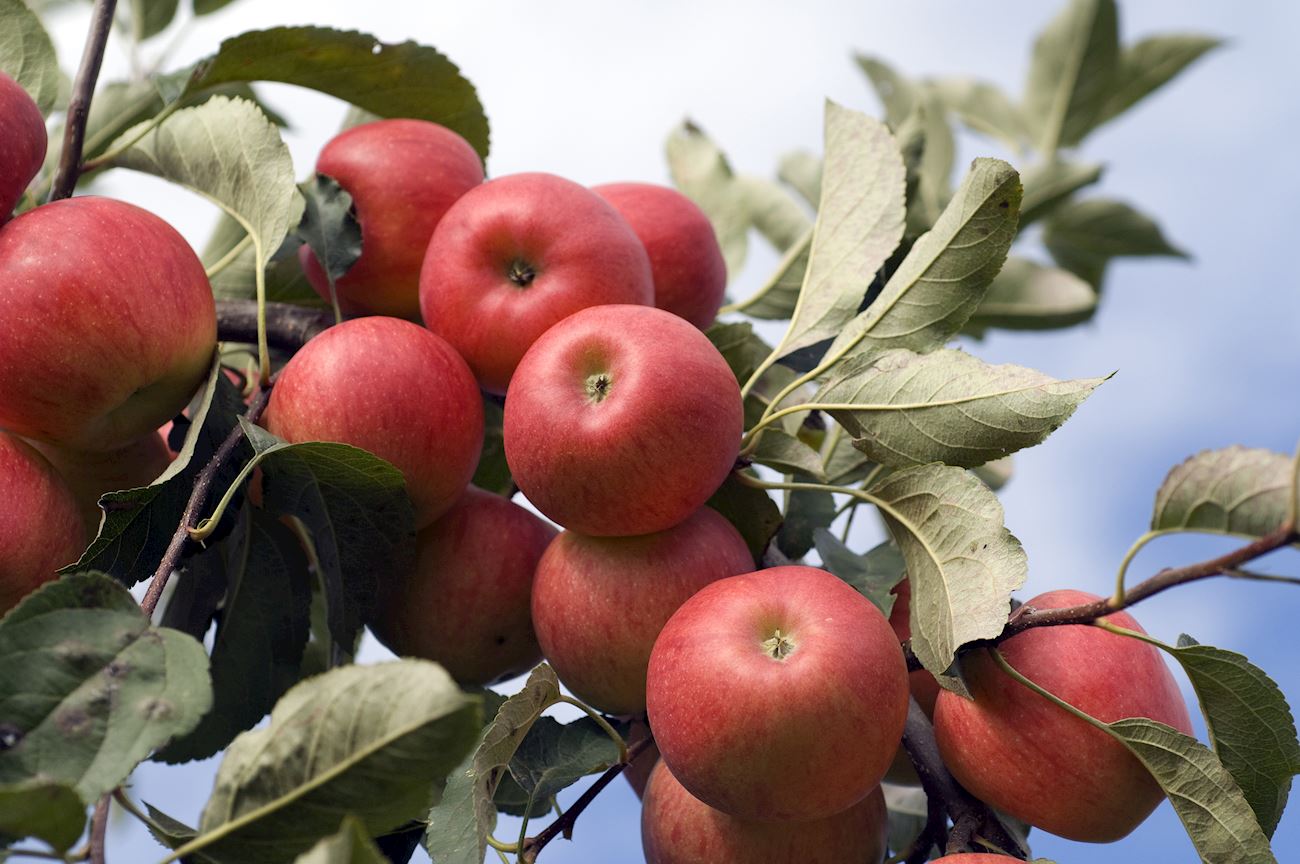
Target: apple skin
x=677 y=828
x=111 y=325
x=36 y=502
x=599 y=602
x=622 y=420
x=922 y=684
x=518 y=254
x=466 y=605
x=796 y=738
x=403 y=175
x=90 y=474
x=1030 y=758
x=690 y=274
x=22 y=143
x=395 y=389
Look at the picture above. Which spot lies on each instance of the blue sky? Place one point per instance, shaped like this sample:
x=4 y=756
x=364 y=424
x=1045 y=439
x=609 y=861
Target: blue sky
x=1206 y=351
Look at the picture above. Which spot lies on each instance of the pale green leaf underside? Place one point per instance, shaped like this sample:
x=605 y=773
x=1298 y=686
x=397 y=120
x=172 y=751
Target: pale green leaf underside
x=1026 y=295
x=1104 y=228
x=984 y=108
x=701 y=171
x=1149 y=64
x=1236 y=490
x=1071 y=73
x=27 y=54
x=351 y=845
x=788 y=454
x=1052 y=183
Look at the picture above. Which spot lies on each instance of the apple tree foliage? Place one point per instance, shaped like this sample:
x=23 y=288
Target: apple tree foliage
x=888 y=254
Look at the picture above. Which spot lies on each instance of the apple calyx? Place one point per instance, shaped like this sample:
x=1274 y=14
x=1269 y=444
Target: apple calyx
x=779 y=645
x=521 y=273
x=598 y=386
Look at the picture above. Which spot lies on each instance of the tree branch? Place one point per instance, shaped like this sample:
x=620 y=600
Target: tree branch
x=99 y=829
x=83 y=88
x=288 y=327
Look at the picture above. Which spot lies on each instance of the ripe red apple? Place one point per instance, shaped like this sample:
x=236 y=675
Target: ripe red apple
x=778 y=695
x=622 y=420
x=40 y=529
x=466 y=604
x=91 y=473
x=22 y=143
x=922 y=684
x=1033 y=760
x=516 y=255
x=402 y=175
x=677 y=828
x=392 y=388
x=599 y=602
x=110 y=323
x=690 y=274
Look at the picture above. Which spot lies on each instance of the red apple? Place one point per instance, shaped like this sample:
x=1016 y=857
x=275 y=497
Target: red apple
x=599 y=602
x=515 y=256
x=466 y=603
x=690 y=274
x=677 y=828
x=922 y=684
x=22 y=143
x=1035 y=761
x=778 y=695
x=622 y=420
x=392 y=388
x=402 y=175
x=91 y=473
x=638 y=770
x=40 y=529
x=110 y=323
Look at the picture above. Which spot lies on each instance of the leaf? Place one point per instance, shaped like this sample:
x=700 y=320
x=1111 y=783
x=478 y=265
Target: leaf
x=151 y=17
x=774 y=212
x=1148 y=65
x=702 y=173
x=803 y=171
x=1103 y=228
x=139 y=523
x=493 y=473
x=460 y=823
x=1205 y=797
x=874 y=575
x=907 y=814
x=1236 y=490
x=197 y=590
x=947 y=406
x=752 y=511
x=1051 y=183
x=984 y=108
x=370 y=741
x=27 y=54
x=257 y=652
x=897 y=94
x=390 y=80
x=788 y=454
x=946 y=274
x=556 y=755
x=925 y=136
x=49 y=811
x=777 y=297
x=229 y=152
x=806 y=510
x=1250 y=725
x=1072 y=73
x=97 y=689
x=859 y=223
x=962 y=562
x=1026 y=295
x=995 y=474
x=351 y=845
x=207 y=7
x=329 y=225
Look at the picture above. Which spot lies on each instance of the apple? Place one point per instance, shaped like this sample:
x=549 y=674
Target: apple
x=690 y=274
x=599 y=602
x=91 y=473
x=637 y=772
x=778 y=695
x=402 y=175
x=110 y=325
x=1035 y=761
x=36 y=502
x=922 y=684
x=22 y=143
x=466 y=604
x=677 y=828
x=395 y=389
x=518 y=254
x=622 y=420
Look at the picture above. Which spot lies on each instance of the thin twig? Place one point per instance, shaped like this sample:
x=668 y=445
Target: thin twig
x=83 y=88
x=99 y=829
x=288 y=327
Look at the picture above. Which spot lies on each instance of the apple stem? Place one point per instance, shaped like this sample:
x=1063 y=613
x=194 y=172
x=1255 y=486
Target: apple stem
x=99 y=829
x=83 y=88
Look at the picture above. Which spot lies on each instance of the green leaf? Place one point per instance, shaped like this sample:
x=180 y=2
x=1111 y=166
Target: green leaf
x=779 y=294
x=1103 y=228
x=151 y=17
x=926 y=138
x=257 y=652
x=27 y=54
x=842 y=462
x=701 y=171
x=1205 y=797
x=995 y=474
x=197 y=590
x=97 y=689
x=1026 y=295
x=803 y=171
x=907 y=814
x=985 y=109
x=744 y=350
x=962 y=562
x=1072 y=73
x=788 y=454
x=947 y=406
x=49 y=811
x=752 y=511
x=898 y=94
x=774 y=211
x=874 y=575
x=946 y=274
x=859 y=223
x=806 y=510
x=1052 y=183
x=329 y=226
x=351 y=845
x=493 y=473
x=556 y=755
x=1148 y=65
x=207 y=7
x=1236 y=490
x=460 y=823
x=370 y=741
x=390 y=80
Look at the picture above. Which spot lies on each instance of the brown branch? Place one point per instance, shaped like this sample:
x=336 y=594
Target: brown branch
x=83 y=88
x=288 y=327
x=99 y=829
